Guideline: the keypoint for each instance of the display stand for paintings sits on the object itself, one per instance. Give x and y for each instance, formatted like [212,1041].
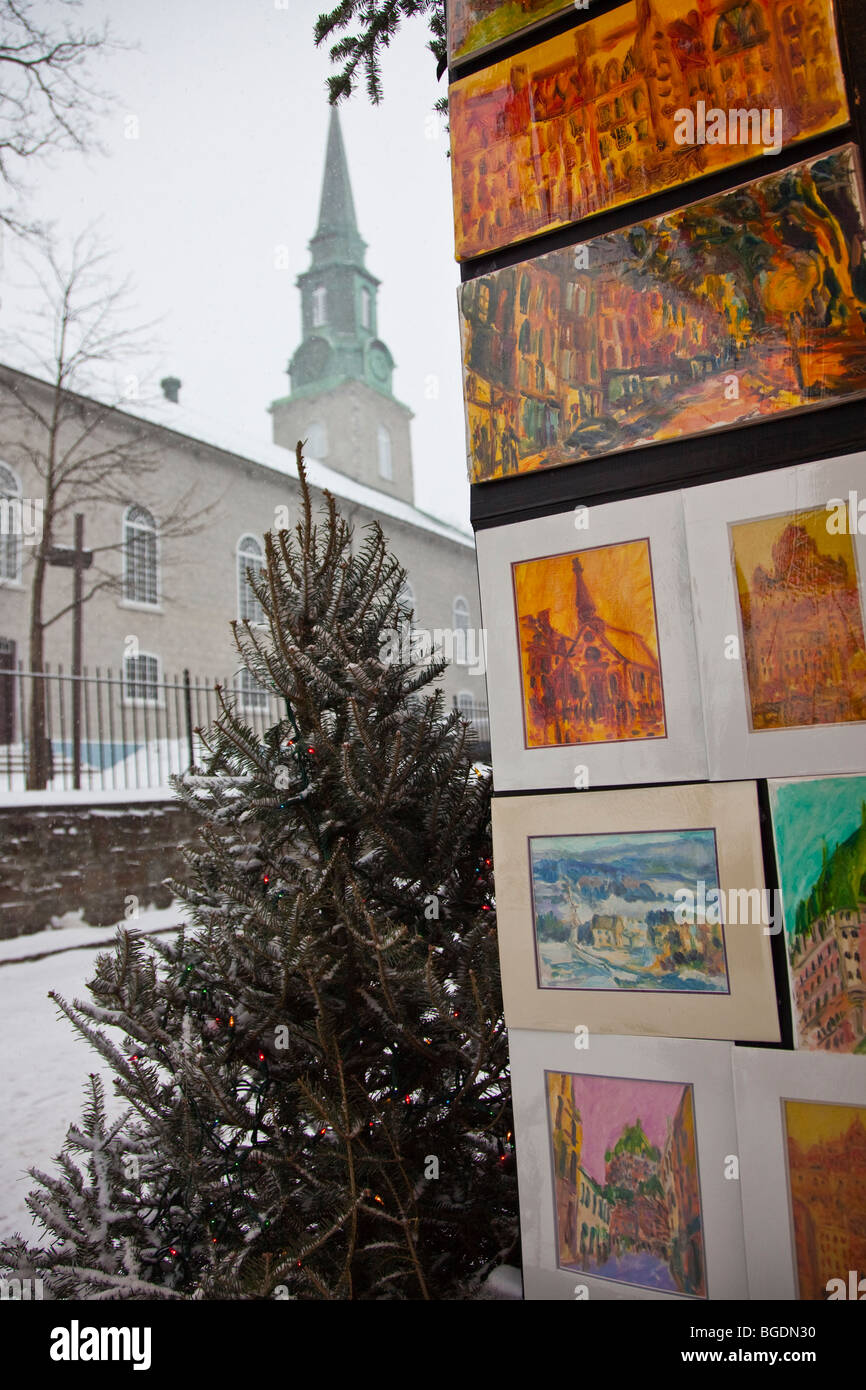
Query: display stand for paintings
[660,220]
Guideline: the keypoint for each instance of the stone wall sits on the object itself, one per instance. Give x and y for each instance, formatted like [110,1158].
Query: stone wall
[59,859]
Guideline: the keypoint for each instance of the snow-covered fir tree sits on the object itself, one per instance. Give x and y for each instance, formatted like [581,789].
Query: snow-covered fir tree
[315,1070]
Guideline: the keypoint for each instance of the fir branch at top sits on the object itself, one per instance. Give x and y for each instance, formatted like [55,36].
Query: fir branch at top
[316,1069]
[378,22]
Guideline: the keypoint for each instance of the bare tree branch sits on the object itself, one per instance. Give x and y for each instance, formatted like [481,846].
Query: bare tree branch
[84,451]
[48,100]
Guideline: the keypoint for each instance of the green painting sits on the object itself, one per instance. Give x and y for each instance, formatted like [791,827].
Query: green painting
[819,825]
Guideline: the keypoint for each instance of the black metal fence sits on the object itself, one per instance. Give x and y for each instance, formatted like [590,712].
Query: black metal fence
[109,731]
[112,731]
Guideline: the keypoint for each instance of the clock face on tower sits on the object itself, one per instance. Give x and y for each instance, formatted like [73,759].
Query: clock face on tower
[379,364]
[311,361]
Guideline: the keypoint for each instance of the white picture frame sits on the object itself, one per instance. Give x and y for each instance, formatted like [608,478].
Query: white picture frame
[747,1010]
[706,1067]
[763,1081]
[735,749]
[677,756]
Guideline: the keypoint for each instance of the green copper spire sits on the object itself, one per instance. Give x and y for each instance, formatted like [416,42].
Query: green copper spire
[339,312]
[337,237]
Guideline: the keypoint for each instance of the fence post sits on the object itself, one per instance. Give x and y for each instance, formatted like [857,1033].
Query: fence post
[187,704]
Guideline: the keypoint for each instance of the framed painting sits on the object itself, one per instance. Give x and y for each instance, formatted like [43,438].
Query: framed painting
[801,1118]
[819,829]
[641,99]
[477,26]
[621,1154]
[740,308]
[591,666]
[777,565]
[640,911]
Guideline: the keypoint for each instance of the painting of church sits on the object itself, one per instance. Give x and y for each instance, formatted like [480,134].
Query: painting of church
[589,647]
[802,621]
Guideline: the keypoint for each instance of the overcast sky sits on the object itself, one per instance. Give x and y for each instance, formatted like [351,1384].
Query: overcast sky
[231,111]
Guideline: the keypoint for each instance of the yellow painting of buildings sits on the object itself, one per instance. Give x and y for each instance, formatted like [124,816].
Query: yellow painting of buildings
[802,620]
[827,1175]
[593,119]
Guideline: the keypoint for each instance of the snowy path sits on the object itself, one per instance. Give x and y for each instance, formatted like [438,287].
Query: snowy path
[44,1064]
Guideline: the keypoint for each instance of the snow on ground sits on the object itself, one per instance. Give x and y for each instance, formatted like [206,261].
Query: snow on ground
[71,933]
[44,1063]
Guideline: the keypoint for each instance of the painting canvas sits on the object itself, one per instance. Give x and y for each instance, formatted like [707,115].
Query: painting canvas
[819,827]
[801,1122]
[474,26]
[826,1149]
[745,306]
[636,910]
[802,621]
[627,1193]
[590,651]
[607,916]
[777,564]
[623,1194]
[598,117]
[589,646]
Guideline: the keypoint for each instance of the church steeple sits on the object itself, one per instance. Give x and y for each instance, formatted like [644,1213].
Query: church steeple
[337,237]
[338,293]
[341,399]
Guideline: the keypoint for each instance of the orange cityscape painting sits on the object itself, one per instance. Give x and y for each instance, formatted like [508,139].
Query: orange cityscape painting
[827,1185]
[589,646]
[646,97]
[802,621]
[746,305]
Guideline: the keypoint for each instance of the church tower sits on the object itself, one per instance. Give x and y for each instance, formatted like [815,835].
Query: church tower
[341,400]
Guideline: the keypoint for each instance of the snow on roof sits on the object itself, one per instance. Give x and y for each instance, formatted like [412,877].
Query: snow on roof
[260,450]
[181,419]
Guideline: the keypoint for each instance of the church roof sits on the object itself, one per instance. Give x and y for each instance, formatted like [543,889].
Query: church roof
[630,646]
[193,426]
[182,420]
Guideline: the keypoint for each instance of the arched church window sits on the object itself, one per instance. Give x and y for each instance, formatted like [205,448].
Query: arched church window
[250,558]
[317,439]
[407,597]
[320,306]
[386,462]
[10,541]
[140,557]
[460,623]
[366,308]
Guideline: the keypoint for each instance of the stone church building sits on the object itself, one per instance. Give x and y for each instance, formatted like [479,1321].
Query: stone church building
[169,597]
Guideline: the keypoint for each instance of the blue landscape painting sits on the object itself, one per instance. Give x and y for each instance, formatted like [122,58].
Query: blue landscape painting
[606,915]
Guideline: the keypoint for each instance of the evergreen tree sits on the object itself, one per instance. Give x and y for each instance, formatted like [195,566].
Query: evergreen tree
[316,1068]
[376,22]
